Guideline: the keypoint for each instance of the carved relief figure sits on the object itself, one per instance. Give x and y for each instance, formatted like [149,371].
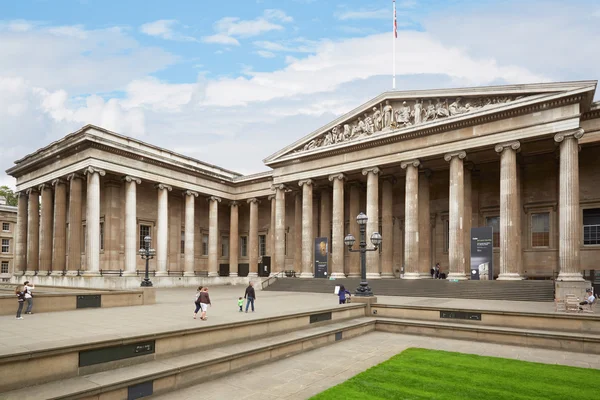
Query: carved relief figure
[328,139]
[430,113]
[347,133]
[377,119]
[417,112]
[403,115]
[441,109]
[388,115]
[457,107]
[369,126]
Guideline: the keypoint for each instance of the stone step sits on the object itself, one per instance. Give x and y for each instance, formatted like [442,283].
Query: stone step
[168,374]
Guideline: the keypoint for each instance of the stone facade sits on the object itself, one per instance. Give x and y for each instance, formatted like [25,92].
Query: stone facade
[519,158]
[8,229]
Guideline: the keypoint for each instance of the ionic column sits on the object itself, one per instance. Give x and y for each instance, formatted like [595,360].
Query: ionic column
[75,222]
[213,236]
[188,235]
[279,228]
[253,237]
[298,233]
[354,210]
[456,249]
[337,236]
[234,238]
[372,175]
[272,229]
[46,229]
[130,225]
[92,220]
[468,219]
[424,226]
[411,220]
[33,231]
[162,228]
[59,245]
[21,234]
[569,218]
[307,228]
[387,227]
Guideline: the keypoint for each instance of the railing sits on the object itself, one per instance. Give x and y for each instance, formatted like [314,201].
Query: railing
[264,284]
[109,272]
[143,272]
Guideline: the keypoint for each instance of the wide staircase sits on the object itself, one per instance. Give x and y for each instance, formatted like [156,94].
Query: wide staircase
[526,290]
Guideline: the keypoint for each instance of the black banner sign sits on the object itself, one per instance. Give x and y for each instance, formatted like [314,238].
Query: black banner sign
[321,251]
[482,253]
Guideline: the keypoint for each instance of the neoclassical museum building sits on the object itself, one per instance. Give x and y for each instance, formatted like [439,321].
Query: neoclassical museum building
[425,166]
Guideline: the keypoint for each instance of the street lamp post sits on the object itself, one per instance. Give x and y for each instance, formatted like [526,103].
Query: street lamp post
[363,290]
[147,254]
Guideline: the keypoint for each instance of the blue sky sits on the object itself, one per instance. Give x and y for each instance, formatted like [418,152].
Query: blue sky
[232,82]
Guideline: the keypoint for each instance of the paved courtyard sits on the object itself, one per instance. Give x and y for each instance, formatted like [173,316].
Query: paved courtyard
[174,309]
[306,374]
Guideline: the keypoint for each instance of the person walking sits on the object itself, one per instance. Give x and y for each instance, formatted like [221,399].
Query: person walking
[342,294]
[21,299]
[28,296]
[197,301]
[204,302]
[250,295]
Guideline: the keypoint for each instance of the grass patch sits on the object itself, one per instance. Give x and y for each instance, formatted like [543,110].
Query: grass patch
[431,374]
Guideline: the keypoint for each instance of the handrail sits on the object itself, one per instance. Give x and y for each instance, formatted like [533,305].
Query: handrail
[264,284]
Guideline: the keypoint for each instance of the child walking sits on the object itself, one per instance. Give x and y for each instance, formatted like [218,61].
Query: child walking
[241,303]
[21,299]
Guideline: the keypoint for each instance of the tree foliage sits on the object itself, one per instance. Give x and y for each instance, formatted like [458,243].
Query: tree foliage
[9,195]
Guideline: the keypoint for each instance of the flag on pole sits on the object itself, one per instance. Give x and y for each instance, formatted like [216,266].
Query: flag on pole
[395,28]
[395,22]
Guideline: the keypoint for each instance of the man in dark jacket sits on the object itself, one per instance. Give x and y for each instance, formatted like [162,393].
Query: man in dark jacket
[250,295]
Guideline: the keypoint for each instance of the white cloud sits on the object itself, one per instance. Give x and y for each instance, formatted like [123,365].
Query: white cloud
[18,25]
[298,45]
[265,54]
[228,28]
[381,13]
[164,28]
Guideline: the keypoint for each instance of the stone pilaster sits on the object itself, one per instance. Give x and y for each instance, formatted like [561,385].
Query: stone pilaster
[92,220]
[298,232]
[272,224]
[189,233]
[468,218]
[307,229]
[21,234]
[213,236]
[411,219]
[47,213]
[279,228]
[162,228]
[387,227]
[234,238]
[456,250]
[569,217]
[253,238]
[354,210]
[113,239]
[131,242]
[509,212]
[424,226]
[337,237]
[59,244]
[75,223]
[33,231]
[372,175]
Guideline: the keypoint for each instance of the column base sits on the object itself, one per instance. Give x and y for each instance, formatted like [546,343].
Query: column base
[72,273]
[338,275]
[511,276]
[457,276]
[161,273]
[90,273]
[351,275]
[129,273]
[234,274]
[29,273]
[213,274]
[411,275]
[56,273]
[307,275]
[42,273]
[570,277]
[373,275]
[253,275]
[576,288]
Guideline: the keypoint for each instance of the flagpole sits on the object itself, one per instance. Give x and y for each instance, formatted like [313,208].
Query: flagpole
[394,45]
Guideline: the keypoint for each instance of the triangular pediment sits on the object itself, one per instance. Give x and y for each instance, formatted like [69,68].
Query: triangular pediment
[397,113]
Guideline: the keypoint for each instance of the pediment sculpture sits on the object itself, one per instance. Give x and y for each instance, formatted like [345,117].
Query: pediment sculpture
[392,115]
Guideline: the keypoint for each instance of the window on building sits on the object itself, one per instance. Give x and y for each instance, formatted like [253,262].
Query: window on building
[243,246]
[5,245]
[4,267]
[144,231]
[262,245]
[6,227]
[540,230]
[225,246]
[204,244]
[494,223]
[182,242]
[101,236]
[591,226]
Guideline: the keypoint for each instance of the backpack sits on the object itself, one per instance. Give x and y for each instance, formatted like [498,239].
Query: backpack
[21,296]
[197,297]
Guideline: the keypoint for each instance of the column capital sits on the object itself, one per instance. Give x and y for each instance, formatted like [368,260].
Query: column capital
[94,170]
[190,193]
[163,186]
[571,134]
[214,198]
[58,181]
[44,186]
[253,200]
[373,170]
[31,190]
[129,178]
[339,176]
[279,186]
[234,203]
[514,145]
[460,154]
[415,163]
[305,182]
[74,175]
[22,193]
[271,197]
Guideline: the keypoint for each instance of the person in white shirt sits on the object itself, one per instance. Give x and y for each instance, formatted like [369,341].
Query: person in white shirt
[590,299]
[28,296]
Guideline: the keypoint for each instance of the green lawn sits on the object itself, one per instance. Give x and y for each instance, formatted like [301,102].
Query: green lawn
[429,374]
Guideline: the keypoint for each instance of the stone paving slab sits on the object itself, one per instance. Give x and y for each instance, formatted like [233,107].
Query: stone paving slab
[306,374]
